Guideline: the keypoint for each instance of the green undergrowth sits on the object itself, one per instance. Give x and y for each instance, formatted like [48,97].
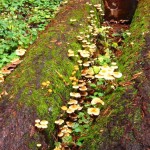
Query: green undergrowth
[109,127]
[20,22]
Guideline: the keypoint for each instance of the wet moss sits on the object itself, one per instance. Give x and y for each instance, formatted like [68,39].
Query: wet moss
[109,127]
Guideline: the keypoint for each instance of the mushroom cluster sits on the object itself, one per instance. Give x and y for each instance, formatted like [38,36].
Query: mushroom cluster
[93,69]
[41,124]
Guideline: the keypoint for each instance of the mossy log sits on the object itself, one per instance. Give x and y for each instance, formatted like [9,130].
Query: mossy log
[44,61]
[124,123]
[126,110]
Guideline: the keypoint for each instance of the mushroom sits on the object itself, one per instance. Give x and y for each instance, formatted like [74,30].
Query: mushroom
[84,93]
[44,126]
[5,71]
[59,122]
[108,77]
[16,61]
[38,125]
[86,64]
[83,88]
[97,100]
[84,41]
[64,108]
[75,86]
[91,11]
[114,63]
[73,107]
[82,84]
[72,101]
[85,54]
[114,67]
[60,134]
[117,74]
[69,124]
[38,145]
[89,76]
[44,122]
[73,20]
[103,72]
[20,52]
[93,111]
[99,76]
[76,95]
[70,111]
[1,79]
[80,61]
[37,121]
[84,72]
[73,116]
[71,53]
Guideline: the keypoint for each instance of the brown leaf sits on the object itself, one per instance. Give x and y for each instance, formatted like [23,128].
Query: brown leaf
[136,75]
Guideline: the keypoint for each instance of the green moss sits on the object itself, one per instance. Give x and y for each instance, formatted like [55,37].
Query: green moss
[116,103]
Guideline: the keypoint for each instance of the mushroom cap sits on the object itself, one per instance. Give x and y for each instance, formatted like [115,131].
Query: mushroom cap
[84,93]
[97,100]
[80,61]
[72,101]
[103,72]
[82,84]
[71,55]
[16,61]
[76,67]
[86,64]
[109,77]
[5,71]
[69,124]
[99,76]
[70,111]
[93,111]
[89,76]
[81,81]
[74,107]
[44,126]
[20,52]
[84,54]
[37,121]
[38,145]
[83,88]
[44,122]
[1,79]
[117,74]
[59,122]
[90,71]
[64,108]
[91,11]
[73,94]
[114,67]
[113,63]
[70,51]
[84,72]
[60,134]
[75,86]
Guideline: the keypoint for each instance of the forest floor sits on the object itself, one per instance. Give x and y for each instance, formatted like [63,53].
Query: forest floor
[17,129]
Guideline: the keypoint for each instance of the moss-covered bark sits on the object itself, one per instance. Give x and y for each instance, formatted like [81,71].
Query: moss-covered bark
[26,100]
[124,120]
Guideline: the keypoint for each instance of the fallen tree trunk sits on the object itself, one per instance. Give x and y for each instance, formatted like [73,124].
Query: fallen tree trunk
[45,60]
[125,123]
